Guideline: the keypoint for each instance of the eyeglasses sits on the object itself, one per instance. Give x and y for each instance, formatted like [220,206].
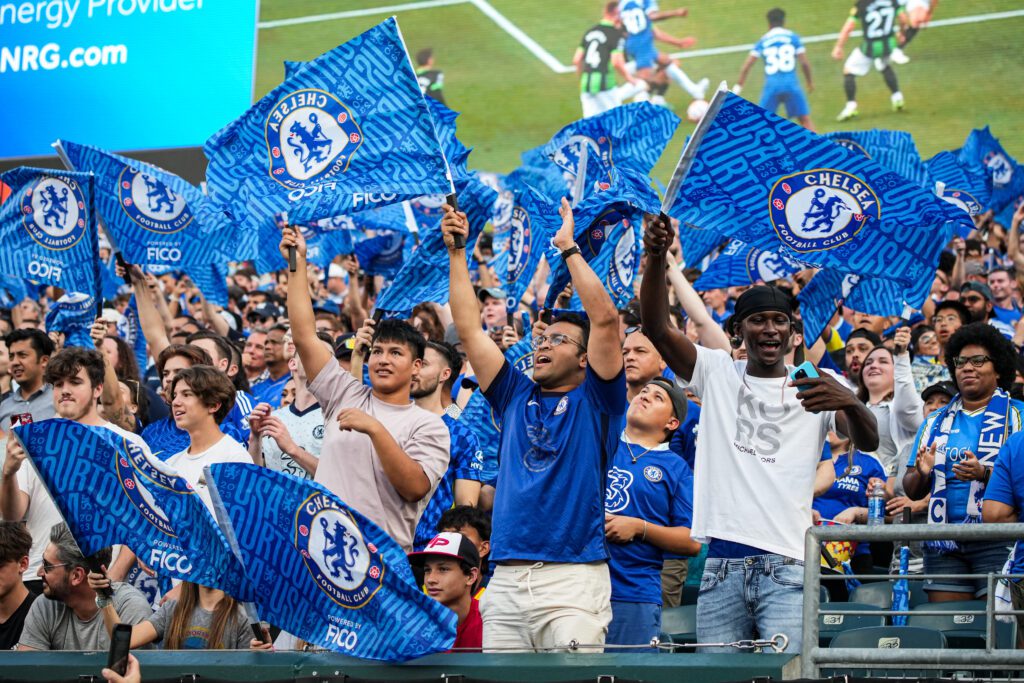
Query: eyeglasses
[975,361]
[554,340]
[47,568]
[947,319]
[926,339]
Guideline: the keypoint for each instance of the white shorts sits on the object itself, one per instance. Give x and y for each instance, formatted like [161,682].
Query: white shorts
[859,64]
[598,103]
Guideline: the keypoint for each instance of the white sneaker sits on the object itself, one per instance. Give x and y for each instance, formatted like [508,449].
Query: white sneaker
[700,89]
[848,112]
[897,101]
[898,56]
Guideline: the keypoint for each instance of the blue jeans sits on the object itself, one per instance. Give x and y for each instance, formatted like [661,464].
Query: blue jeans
[634,623]
[753,597]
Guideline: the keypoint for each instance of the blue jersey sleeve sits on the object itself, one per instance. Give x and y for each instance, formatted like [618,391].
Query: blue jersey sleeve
[1006,485]
[797,43]
[508,384]
[467,457]
[608,396]
[682,498]
[758,50]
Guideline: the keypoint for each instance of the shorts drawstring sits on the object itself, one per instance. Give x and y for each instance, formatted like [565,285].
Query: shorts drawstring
[528,576]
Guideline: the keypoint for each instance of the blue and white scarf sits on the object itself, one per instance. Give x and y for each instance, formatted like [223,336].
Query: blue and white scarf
[997,425]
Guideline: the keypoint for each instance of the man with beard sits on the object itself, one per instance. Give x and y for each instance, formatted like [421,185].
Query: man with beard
[460,485]
[69,618]
[977,297]
[551,584]
[76,375]
[858,346]
[761,439]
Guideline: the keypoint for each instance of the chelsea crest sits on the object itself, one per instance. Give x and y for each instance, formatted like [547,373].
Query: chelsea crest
[311,136]
[150,203]
[54,212]
[339,559]
[820,209]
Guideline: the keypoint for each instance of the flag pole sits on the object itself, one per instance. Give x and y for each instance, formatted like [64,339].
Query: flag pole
[63,155]
[691,147]
[224,522]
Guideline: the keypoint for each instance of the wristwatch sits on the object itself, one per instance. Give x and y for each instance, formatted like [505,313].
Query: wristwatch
[574,249]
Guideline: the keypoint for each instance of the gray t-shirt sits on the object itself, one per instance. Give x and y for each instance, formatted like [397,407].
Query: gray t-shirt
[237,633]
[51,625]
[39,405]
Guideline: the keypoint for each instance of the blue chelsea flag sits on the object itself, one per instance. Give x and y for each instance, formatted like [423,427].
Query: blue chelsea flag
[1005,177]
[73,315]
[110,492]
[48,228]
[346,132]
[153,216]
[534,222]
[739,265]
[758,178]
[424,277]
[891,149]
[963,184]
[322,571]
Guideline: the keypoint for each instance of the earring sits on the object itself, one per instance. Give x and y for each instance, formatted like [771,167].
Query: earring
[736,342]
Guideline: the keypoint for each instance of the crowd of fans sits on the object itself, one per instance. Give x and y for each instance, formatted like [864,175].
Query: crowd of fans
[643,443]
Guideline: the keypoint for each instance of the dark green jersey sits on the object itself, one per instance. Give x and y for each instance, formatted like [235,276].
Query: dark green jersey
[431,83]
[879,21]
[597,47]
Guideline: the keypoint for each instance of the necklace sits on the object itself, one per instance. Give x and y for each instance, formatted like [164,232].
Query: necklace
[636,457]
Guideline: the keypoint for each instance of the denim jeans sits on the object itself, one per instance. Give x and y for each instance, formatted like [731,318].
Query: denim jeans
[753,597]
[634,623]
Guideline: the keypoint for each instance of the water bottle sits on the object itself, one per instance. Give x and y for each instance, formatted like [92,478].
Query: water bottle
[876,505]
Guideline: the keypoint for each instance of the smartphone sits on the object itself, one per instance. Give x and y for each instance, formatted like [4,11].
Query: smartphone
[120,644]
[804,370]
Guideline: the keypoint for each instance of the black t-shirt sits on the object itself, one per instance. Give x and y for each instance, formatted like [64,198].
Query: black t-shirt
[598,46]
[10,630]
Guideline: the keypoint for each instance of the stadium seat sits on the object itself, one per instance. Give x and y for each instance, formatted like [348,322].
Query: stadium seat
[830,625]
[961,630]
[918,595]
[887,638]
[679,625]
[877,593]
[823,595]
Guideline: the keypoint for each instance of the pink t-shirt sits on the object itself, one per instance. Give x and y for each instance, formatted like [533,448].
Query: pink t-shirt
[349,466]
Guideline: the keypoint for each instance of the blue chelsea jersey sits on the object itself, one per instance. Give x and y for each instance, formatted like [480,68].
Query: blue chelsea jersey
[779,49]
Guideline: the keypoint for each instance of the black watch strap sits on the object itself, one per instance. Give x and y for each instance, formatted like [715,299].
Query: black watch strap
[574,249]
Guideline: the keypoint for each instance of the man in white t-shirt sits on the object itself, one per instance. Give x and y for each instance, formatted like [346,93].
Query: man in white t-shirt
[761,439]
[76,375]
[382,454]
[201,397]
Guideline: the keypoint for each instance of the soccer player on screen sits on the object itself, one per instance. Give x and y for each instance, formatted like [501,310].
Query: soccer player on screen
[880,21]
[638,18]
[781,50]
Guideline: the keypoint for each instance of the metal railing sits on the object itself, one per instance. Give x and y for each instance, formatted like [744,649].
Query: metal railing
[813,656]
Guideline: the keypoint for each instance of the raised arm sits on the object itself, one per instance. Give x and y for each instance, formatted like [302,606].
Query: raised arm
[485,356]
[844,35]
[710,333]
[150,321]
[1013,239]
[313,352]
[906,402]
[604,350]
[679,352]
[213,316]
